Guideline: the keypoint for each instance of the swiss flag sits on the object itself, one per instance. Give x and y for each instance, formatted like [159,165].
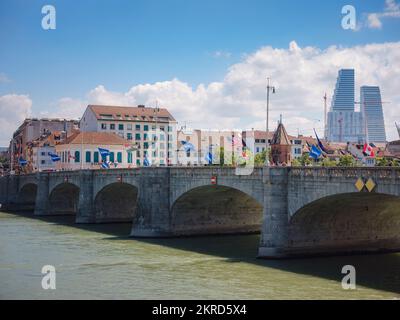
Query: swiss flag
[368,150]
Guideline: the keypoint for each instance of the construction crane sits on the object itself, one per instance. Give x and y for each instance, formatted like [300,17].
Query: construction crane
[325,117]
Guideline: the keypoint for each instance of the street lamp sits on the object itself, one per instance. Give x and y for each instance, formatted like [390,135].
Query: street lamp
[272,89]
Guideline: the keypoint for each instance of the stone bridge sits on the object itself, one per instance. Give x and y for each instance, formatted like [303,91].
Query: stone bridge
[299,211]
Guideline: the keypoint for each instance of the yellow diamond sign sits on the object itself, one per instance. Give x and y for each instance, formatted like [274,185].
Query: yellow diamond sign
[359,184]
[370,185]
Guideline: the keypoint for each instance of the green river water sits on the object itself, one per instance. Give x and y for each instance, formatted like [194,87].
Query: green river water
[102,262]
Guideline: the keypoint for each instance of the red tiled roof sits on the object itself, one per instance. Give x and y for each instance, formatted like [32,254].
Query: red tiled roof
[97,138]
[131,113]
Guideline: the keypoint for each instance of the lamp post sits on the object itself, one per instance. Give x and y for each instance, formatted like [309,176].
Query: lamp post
[272,89]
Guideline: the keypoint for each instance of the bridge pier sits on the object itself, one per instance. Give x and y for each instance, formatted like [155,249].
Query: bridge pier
[86,212]
[42,196]
[274,233]
[152,218]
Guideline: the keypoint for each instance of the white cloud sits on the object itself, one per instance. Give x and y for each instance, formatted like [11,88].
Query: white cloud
[13,110]
[222,54]
[4,78]
[301,77]
[391,10]
[66,108]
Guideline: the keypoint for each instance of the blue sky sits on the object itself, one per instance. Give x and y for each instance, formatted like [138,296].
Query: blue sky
[119,44]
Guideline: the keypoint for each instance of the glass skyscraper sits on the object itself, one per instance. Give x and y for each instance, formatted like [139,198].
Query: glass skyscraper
[343,123]
[371,108]
[343,96]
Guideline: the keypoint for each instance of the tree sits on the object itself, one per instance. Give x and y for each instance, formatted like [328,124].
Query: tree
[296,163]
[259,159]
[382,162]
[305,160]
[221,156]
[346,161]
[328,163]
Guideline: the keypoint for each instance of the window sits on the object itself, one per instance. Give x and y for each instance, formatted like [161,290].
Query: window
[162,128]
[162,137]
[137,127]
[257,140]
[43,153]
[161,145]
[161,154]
[138,162]
[145,153]
[145,136]
[112,126]
[129,126]
[112,156]
[169,129]
[77,156]
[129,136]
[146,145]
[154,154]
[104,126]
[153,128]
[138,153]
[96,157]
[169,145]
[43,161]
[170,137]
[88,157]
[137,137]
[258,149]
[129,157]
[121,126]
[119,157]
[145,127]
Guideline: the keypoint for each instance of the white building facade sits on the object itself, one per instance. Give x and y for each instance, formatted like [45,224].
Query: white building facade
[151,131]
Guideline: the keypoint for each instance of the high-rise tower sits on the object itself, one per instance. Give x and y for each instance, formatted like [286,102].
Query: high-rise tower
[343,123]
[371,108]
[343,96]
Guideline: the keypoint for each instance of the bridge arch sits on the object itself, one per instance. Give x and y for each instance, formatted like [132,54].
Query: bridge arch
[26,197]
[347,222]
[215,209]
[64,199]
[116,202]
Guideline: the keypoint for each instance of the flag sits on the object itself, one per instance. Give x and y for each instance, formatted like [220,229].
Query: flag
[105,165]
[368,151]
[188,146]
[235,140]
[315,153]
[54,157]
[22,162]
[104,152]
[321,146]
[308,146]
[146,162]
[209,157]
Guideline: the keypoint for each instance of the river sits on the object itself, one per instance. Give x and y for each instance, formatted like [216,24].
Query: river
[102,262]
